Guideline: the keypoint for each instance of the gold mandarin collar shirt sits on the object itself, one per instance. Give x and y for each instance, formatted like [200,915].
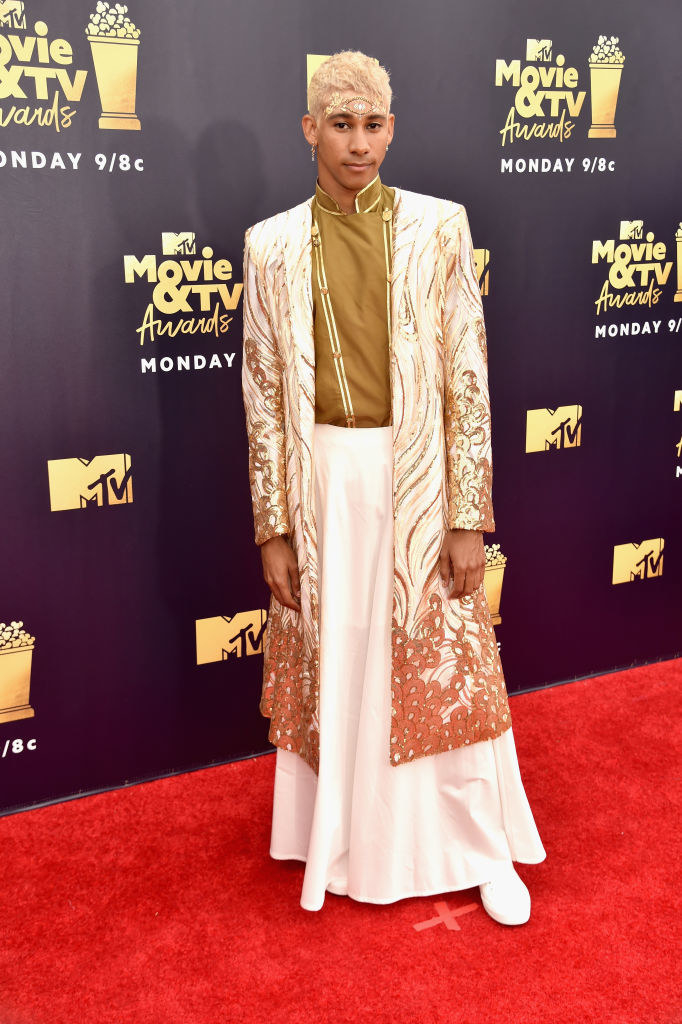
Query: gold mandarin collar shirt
[351,274]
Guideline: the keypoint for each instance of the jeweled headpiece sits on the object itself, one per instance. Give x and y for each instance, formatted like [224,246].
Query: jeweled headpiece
[354,105]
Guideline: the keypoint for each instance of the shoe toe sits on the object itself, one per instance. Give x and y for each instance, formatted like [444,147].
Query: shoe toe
[506,898]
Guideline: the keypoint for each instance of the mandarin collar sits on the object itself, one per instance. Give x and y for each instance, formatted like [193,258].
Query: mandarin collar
[366,199]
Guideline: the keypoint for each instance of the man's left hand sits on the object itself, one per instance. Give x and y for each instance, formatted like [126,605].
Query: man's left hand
[462,556]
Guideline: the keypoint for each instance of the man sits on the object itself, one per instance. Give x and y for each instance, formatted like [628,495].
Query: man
[366,398]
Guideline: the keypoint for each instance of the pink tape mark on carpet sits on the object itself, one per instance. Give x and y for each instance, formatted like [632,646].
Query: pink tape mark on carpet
[446,916]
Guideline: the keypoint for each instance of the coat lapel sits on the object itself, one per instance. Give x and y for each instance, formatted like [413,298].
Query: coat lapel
[297,259]
[297,253]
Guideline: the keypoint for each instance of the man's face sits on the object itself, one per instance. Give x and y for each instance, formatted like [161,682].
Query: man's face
[352,147]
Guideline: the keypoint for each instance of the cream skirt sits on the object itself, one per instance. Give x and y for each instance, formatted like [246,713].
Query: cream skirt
[365,828]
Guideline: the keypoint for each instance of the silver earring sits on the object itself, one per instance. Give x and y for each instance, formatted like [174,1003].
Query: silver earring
[312,151]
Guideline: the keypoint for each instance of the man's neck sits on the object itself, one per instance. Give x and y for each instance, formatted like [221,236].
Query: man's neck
[345,197]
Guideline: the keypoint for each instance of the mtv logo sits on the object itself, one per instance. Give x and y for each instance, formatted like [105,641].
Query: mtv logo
[12,14]
[677,401]
[181,243]
[85,483]
[220,636]
[551,429]
[538,49]
[630,229]
[638,561]
[482,262]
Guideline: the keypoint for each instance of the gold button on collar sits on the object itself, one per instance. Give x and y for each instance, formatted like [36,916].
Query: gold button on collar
[387,214]
[314,230]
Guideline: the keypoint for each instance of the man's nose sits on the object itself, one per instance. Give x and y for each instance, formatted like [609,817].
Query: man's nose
[359,142]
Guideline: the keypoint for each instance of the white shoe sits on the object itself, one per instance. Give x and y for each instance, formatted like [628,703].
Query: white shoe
[505,897]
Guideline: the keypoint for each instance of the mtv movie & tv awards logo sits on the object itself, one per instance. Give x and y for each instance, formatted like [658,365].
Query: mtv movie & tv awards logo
[638,270]
[41,84]
[188,295]
[638,267]
[549,96]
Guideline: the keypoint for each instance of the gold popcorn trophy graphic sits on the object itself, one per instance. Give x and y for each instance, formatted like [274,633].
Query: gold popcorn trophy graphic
[495,562]
[678,239]
[482,263]
[114,41]
[605,64]
[16,650]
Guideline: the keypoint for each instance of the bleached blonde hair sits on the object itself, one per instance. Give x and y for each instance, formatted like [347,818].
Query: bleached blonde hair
[348,69]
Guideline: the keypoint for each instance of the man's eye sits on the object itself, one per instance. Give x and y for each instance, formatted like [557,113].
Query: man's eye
[372,124]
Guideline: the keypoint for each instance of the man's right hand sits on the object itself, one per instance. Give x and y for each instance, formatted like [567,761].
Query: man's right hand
[280,570]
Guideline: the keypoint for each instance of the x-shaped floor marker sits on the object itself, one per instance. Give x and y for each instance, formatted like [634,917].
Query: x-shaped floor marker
[446,916]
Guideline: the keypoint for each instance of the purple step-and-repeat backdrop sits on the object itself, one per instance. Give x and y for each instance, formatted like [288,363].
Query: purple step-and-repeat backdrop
[137,143]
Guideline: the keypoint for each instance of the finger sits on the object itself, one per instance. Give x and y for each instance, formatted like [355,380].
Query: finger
[444,564]
[280,588]
[288,597]
[476,579]
[469,583]
[295,582]
[458,578]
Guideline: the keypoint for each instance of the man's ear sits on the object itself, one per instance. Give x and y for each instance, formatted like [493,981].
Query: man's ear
[309,128]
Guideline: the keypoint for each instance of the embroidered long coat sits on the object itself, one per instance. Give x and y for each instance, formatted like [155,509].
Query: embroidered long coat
[447,686]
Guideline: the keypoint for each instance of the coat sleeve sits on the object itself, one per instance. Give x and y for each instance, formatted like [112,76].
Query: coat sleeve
[263,405]
[465,384]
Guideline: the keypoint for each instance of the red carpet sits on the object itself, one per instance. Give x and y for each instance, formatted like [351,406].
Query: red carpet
[159,904]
